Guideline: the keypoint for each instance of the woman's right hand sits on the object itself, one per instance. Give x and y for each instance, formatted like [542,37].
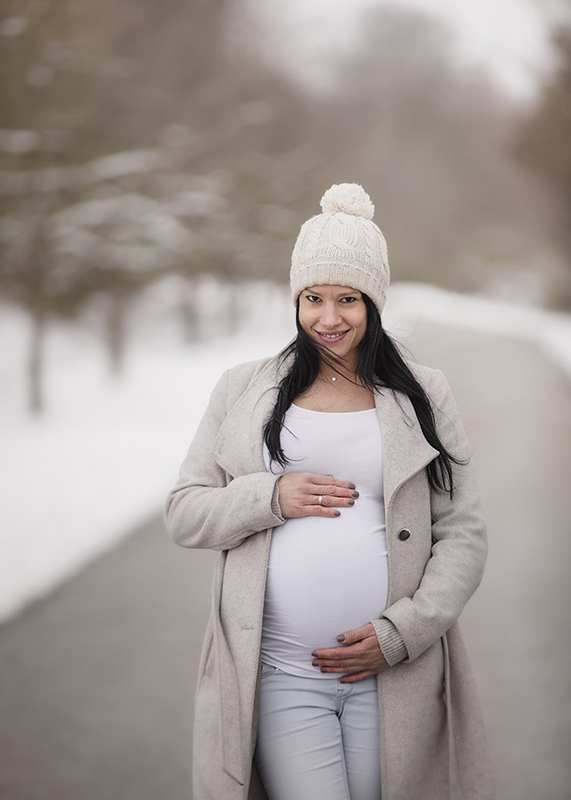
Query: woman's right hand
[299,494]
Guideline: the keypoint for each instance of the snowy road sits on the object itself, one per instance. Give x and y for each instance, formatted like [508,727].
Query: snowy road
[97,680]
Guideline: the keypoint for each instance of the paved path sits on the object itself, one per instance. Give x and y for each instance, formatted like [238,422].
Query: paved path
[97,680]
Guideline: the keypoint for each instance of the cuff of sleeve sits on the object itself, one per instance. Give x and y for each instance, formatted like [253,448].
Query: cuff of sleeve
[253,495]
[390,641]
[276,502]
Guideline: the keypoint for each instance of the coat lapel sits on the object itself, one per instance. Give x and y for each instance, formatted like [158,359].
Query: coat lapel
[239,444]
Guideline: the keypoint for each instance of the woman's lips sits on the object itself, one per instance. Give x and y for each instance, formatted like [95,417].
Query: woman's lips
[332,340]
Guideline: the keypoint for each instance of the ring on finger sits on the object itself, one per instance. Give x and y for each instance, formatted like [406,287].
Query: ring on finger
[320,500]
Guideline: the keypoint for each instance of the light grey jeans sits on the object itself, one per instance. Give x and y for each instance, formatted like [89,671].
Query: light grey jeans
[318,738]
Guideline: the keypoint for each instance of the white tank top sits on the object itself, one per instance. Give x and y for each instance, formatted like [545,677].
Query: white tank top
[326,575]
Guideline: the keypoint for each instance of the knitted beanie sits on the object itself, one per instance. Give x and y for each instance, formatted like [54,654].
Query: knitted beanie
[342,246]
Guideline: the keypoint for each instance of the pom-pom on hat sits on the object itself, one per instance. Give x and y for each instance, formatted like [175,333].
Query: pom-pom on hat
[342,246]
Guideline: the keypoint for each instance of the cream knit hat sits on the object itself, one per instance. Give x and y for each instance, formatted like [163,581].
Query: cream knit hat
[342,246]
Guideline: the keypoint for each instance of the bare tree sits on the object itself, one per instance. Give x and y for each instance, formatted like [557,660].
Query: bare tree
[543,144]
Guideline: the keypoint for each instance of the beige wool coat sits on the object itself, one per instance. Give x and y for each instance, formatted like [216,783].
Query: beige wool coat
[432,738]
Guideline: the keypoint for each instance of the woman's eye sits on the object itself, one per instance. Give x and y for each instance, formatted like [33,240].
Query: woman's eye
[351,299]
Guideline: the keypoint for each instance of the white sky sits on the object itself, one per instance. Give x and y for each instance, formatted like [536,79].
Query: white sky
[510,37]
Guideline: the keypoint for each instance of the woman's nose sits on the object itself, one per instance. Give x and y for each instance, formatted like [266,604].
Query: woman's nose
[330,317]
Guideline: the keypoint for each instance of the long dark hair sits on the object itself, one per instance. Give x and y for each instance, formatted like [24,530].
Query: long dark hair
[379,365]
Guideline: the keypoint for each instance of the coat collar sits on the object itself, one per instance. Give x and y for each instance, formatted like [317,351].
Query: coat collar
[239,444]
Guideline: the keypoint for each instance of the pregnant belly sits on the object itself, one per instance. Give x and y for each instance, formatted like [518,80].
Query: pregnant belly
[321,581]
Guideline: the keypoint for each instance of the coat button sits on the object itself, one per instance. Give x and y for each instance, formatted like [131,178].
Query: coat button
[404,534]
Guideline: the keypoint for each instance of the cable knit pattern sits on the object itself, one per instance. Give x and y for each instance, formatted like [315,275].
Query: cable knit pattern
[276,508]
[342,246]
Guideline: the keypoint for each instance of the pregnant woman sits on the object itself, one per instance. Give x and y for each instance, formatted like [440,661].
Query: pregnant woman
[335,479]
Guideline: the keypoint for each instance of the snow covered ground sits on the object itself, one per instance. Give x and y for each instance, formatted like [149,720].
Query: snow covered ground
[103,456]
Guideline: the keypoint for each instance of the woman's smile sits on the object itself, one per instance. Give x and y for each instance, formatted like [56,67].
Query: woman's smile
[332,338]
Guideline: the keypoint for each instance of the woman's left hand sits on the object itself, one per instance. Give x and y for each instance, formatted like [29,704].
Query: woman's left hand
[360,655]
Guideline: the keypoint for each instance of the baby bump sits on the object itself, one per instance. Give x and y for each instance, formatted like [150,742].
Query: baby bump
[320,582]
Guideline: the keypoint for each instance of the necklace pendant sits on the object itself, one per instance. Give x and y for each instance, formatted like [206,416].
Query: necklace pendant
[333,379]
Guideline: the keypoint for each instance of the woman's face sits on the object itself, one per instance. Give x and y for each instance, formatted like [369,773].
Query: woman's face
[328,309]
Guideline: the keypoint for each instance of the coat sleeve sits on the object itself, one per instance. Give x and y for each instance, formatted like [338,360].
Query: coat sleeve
[459,550]
[203,510]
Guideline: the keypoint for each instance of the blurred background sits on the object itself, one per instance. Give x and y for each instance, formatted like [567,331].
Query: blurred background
[156,163]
